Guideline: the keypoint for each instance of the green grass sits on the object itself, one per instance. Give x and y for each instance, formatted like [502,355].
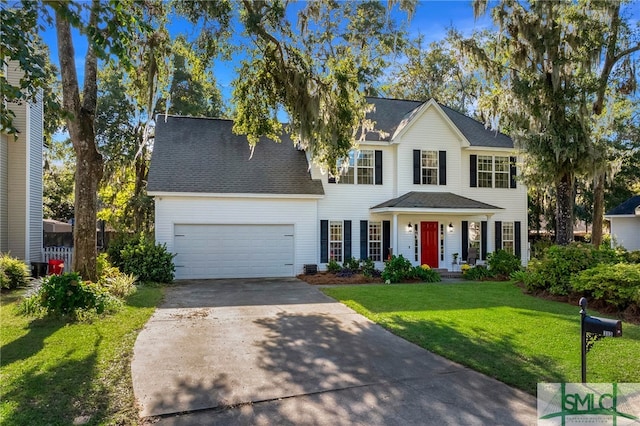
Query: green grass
[494,328]
[54,372]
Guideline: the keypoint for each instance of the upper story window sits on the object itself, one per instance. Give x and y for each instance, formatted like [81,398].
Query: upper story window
[488,171]
[365,168]
[429,167]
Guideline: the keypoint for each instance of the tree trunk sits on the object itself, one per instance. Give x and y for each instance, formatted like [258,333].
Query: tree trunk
[89,163]
[564,209]
[598,209]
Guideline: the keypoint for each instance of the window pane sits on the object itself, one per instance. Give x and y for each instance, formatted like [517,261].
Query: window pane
[502,164]
[485,163]
[502,180]
[507,237]
[485,179]
[429,167]
[346,176]
[335,241]
[365,167]
[365,176]
[474,235]
[375,241]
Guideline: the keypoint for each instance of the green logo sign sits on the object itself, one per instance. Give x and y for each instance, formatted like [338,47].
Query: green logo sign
[616,404]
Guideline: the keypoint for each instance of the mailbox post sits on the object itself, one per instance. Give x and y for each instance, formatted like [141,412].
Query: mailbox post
[595,325]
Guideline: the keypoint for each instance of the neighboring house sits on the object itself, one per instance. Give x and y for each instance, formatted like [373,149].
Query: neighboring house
[432,184]
[21,179]
[625,224]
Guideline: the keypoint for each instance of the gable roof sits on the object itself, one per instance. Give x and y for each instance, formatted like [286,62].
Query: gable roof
[434,200]
[390,114]
[204,156]
[626,208]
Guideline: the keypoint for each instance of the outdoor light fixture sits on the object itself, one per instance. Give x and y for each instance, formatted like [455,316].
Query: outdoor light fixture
[450,226]
[409,227]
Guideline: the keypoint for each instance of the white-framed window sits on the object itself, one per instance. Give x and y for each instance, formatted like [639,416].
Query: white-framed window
[485,171]
[335,240]
[361,168]
[501,172]
[493,172]
[375,241]
[474,235]
[429,167]
[508,237]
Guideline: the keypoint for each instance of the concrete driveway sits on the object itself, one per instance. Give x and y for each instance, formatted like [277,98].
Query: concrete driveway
[278,351]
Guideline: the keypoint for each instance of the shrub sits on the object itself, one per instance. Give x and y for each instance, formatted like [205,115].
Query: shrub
[502,263]
[352,263]
[560,263]
[397,269]
[333,267]
[346,273]
[632,256]
[116,245]
[148,261]
[66,294]
[616,284]
[14,273]
[115,282]
[426,275]
[368,267]
[477,273]
[519,276]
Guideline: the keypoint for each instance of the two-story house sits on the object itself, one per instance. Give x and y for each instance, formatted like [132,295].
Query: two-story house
[430,182]
[21,178]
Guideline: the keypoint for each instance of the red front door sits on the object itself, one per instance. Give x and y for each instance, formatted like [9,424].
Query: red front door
[429,243]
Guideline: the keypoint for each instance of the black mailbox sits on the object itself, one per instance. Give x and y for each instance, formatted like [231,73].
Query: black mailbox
[603,326]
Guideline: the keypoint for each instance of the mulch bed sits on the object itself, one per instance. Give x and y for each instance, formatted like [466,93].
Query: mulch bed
[327,278]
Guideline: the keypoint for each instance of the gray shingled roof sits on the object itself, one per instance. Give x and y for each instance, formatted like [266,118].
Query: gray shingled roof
[626,208]
[204,155]
[434,200]
[389,113]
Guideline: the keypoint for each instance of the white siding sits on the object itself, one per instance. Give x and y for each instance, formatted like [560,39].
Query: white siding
[172,210]
[4,188]
[625,232]
[34,175]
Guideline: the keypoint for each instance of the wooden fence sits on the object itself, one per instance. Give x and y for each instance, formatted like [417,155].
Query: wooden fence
[62,253]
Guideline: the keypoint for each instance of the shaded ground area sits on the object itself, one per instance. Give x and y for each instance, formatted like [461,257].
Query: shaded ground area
[281,352]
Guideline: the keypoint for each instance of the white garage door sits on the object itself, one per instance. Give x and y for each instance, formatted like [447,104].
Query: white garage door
[233,251]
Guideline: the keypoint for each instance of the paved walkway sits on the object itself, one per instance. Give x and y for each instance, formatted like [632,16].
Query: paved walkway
[278,351]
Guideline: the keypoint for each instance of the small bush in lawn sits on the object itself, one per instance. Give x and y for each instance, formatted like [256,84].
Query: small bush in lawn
[426,275]
[14,273]
[67,294]
[333,267]
[616,284]
[148,261]
[502,263]
[477,273]
[397,269]
[346,273]
[118,284]
[519,276]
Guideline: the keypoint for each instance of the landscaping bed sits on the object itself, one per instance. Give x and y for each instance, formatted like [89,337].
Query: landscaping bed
[328,278]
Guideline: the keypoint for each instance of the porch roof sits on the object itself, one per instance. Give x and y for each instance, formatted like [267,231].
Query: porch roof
[434,202]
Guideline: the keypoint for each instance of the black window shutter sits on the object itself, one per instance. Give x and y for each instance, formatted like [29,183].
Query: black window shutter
[473,170]
[512,172]
[416,166]
[483,240]
[465,239]
[517,242]
[498,236]
[324,241]
[364,239]
[378,168]
[442,163]
[347,240]
[386,238]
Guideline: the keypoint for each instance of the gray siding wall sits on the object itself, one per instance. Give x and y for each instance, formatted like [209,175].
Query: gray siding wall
[34,174]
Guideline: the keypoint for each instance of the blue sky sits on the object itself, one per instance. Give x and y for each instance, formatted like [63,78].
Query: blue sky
[432,19]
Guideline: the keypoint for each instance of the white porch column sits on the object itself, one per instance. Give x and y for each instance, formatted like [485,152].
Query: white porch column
[394,233]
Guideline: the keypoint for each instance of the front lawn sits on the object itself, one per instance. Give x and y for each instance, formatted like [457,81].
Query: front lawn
[59,373]
[494,328]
